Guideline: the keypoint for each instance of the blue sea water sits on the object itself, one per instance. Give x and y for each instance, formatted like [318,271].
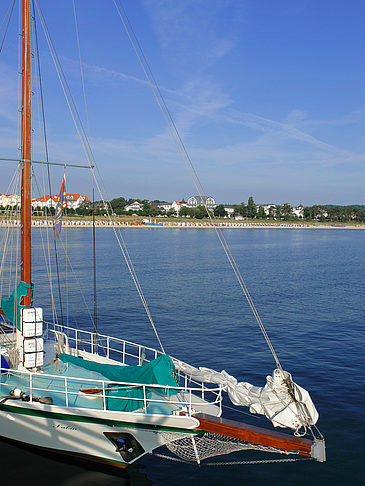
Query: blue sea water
[308,286]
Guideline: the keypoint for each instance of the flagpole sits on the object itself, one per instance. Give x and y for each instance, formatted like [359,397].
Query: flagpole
[57,225]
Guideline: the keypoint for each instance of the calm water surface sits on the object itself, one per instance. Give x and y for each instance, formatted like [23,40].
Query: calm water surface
[308,286]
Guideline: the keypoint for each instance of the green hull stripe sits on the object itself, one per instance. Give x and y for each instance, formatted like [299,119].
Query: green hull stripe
[92,420]
[92,458]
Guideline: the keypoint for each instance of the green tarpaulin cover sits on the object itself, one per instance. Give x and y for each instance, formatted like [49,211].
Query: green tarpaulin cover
[11,307]
[160,371]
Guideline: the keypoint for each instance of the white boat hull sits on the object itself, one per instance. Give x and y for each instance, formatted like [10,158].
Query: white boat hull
[85,433]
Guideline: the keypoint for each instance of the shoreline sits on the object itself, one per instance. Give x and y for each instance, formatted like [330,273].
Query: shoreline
[75,224]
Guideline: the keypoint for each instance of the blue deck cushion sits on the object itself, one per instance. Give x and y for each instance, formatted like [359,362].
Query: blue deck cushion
[4,364]
[160,371]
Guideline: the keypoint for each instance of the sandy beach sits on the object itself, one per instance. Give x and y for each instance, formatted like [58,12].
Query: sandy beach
[80,223]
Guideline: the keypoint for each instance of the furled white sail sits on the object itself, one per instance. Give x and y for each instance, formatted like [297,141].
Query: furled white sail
[281,400]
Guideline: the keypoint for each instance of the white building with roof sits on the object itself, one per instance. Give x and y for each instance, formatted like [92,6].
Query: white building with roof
[177,205]
[229,210]
[207,201]
[164,206]
[73,201]
[299,211]
[134,206]
[10,200]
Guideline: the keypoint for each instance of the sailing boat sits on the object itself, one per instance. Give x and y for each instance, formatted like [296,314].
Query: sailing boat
[112,401]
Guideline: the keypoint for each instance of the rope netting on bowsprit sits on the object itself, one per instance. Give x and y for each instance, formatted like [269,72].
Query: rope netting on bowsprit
[196,448]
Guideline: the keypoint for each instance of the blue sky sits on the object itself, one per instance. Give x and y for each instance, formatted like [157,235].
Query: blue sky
[268,96]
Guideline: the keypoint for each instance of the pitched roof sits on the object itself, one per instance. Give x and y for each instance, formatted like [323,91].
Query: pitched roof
[69,197]
[75,197]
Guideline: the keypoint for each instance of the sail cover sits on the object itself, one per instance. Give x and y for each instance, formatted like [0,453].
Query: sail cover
[11,307]
[281,400]
[122,396]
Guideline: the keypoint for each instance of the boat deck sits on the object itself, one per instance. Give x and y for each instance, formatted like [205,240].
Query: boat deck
[71,386]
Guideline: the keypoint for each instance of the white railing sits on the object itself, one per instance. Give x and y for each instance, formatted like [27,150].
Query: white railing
[125,352]
[122,351]
[67,391]
[101,345]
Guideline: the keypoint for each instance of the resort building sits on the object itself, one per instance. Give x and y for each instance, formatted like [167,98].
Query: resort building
[134,206]
[73,201]
[195,201]
[229,210]
[163,206]
[9,200]
[177,205]
[299,211]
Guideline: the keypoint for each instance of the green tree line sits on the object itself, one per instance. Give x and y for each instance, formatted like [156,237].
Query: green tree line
[249,210]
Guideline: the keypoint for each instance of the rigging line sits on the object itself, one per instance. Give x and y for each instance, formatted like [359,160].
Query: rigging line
[16,230]
[46,151]
[133,274]
[77,281]
[7,26]
[20,80]
[11,188]
[7,13]
[94,264]
[41,118]
[165,113]
[47,257]
[58,280]
[67,287]
[191,170]
[89,154]
[69,263]
[123,248]
[17,173]
[81,69]
[45,246]
[66,89]
[11,260]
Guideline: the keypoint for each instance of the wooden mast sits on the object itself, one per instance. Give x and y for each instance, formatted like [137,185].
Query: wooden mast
[26,138]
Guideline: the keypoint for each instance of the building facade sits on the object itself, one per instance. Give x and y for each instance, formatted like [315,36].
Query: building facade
[134,206]
[9,200]
[207,201]
[73,201]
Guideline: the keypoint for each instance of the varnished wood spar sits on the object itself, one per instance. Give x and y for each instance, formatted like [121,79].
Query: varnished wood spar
[26,137]
[254,435]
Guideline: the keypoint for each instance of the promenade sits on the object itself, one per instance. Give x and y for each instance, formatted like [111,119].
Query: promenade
[79,223]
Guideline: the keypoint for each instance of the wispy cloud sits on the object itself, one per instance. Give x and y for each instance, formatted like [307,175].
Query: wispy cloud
[270,141]
[283,130]
[199,33]
[101,74]
[300,118]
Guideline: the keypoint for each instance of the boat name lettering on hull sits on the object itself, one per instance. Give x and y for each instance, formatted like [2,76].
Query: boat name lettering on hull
[64,427]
